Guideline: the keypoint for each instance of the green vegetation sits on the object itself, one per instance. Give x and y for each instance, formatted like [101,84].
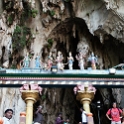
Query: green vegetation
[43,97]
[13,66]
[10,20]
[52,12]
[20,39]
[50,42]
[34,13]
[27,13]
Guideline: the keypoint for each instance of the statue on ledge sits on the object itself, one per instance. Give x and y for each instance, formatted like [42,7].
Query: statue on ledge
[26,61]
[70,61]
[93,60]
[80,58]
[50,61]
[59,60]
[37,61]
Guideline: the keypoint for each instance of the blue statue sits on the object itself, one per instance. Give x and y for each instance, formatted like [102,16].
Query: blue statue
[93,59]
[26,61]
[70,61]
[37,61]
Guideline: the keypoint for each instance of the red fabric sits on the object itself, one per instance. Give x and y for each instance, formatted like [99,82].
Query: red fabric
[114,114]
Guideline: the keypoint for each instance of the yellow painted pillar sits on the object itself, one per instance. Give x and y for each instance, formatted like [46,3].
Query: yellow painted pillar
[86,104]
[30,97]
[29,111]
[85,97]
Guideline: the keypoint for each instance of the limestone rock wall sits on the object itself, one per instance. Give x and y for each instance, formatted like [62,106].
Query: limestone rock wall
[57,20]
[11,98]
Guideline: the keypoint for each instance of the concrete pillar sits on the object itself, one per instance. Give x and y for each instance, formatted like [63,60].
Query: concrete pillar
[30,97]
[85,96]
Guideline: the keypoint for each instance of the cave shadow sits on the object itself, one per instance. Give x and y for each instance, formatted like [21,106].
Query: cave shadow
[103,109]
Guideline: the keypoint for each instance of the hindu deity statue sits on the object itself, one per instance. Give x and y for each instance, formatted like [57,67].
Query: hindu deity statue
[70,61]
[93,60]
[80,58]
[50,61]
[59,60]
[37,61]
[26,61]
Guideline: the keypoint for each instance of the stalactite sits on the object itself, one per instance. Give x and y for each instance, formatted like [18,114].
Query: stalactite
[67,42]
[74,30]
[60,37]
[101,38]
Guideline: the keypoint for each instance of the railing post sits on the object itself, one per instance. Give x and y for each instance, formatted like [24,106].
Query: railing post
[22,118]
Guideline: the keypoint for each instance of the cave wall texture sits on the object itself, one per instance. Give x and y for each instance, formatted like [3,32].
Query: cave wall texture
[42,26]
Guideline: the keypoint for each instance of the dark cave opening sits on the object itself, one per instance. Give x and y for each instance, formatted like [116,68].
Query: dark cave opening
[77,117]
[94,110]
[109,52]
[66,29]
[3,51]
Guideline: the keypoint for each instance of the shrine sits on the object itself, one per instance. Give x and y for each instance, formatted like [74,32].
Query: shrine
[61,60]
[61,79]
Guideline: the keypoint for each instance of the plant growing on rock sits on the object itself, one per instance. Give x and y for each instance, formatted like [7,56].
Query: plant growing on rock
[21,38]
[27,13]
[34,13]
[50,42]
[10,19]
[52,13]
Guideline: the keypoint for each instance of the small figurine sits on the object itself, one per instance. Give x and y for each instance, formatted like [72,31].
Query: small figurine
[93,61]
[80,58]
[59,59]
[70,61]
[37,61]
[26,61]
[50,61]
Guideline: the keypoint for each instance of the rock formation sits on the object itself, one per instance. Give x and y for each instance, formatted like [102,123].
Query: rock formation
[44,26]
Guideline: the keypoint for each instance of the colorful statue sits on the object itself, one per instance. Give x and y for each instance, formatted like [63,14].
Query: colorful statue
[37,61]
[59,60]
[26,61]
[93,61]
[50,61]
[80,58]
[70,61]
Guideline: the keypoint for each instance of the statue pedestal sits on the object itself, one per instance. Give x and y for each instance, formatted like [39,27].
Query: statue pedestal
[30,97]
[85,98]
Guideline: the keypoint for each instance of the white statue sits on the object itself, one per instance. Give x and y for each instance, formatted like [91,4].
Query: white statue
[80,58]
[70,61]
[59,60]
